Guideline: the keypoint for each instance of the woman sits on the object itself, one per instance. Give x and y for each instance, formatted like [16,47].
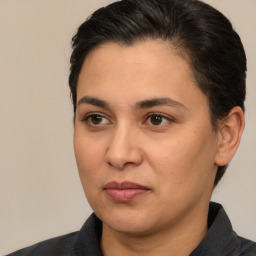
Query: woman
[158,89]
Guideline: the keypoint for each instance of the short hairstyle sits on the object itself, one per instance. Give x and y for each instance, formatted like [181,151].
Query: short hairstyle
[200,33]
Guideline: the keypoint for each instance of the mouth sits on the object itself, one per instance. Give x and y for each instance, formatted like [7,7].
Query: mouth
[124,191]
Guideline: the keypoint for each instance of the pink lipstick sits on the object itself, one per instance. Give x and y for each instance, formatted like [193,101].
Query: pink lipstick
[125,191]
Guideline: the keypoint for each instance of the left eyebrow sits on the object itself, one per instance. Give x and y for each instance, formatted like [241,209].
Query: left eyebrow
[149,103]
[93,101]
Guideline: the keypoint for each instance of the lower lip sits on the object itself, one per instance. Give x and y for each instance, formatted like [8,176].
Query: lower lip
[123,195]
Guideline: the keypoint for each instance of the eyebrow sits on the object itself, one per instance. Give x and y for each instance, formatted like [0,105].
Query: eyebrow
[93,101]
[149,103]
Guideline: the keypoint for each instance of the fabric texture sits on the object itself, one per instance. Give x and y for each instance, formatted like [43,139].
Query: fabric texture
[220,240]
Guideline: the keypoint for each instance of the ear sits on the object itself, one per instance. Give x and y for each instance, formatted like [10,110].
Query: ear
[230,132]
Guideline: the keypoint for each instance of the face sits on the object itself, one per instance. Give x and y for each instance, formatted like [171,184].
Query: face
[143,139]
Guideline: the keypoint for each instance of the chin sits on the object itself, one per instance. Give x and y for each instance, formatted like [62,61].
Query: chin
[128,221]
[128,227]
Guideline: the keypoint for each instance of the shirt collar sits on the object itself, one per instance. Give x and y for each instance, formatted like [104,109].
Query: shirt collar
[219,240]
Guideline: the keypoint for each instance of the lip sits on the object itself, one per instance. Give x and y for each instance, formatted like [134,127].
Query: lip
[124,191]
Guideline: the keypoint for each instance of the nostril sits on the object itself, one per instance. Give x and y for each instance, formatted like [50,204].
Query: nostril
[118,163]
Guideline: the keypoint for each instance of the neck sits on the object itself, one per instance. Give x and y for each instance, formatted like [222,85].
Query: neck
[180,240]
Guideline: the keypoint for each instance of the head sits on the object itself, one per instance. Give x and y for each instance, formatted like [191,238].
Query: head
[194,30]
[158,92]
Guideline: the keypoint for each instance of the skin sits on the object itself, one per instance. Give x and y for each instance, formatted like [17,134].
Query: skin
[169,147]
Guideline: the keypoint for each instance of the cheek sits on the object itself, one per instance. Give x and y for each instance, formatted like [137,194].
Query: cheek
[89,156]
[171,158]
[184,161]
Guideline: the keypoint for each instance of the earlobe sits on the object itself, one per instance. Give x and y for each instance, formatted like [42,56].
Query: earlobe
[230,133]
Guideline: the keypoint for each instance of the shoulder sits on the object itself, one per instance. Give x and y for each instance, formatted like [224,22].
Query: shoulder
[221,239]
[84,242]
[247,247]
[62,245]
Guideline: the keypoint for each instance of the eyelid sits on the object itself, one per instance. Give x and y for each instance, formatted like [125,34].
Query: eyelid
[160,114]
[92,113]
[86,117]
[164,116]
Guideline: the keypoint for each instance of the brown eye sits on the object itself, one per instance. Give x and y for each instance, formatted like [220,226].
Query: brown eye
[156,120]
[96,119]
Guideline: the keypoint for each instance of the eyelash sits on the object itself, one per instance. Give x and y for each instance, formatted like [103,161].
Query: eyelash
[163,117]
[88,119]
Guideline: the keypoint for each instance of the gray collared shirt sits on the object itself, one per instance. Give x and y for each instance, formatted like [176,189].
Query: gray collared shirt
[220,240]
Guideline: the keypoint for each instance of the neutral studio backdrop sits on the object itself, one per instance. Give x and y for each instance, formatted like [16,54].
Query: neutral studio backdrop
[40,192]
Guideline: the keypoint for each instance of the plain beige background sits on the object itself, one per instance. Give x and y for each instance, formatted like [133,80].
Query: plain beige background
[40,191]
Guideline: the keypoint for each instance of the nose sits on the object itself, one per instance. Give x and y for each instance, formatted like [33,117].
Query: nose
[124,148]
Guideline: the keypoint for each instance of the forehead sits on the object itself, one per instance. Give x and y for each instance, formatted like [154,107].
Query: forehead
[141,51]
[144,70]
[143,56]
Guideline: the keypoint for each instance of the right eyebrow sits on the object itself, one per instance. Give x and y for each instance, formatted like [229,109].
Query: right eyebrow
[149,103]
[93,101]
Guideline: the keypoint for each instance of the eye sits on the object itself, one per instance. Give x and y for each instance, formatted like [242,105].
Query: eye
[96,120]
[156,119]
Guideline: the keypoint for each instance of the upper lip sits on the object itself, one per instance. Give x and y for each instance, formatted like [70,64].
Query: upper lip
[124,185]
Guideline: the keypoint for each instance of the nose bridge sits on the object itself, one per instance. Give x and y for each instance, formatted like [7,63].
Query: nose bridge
[123,146]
